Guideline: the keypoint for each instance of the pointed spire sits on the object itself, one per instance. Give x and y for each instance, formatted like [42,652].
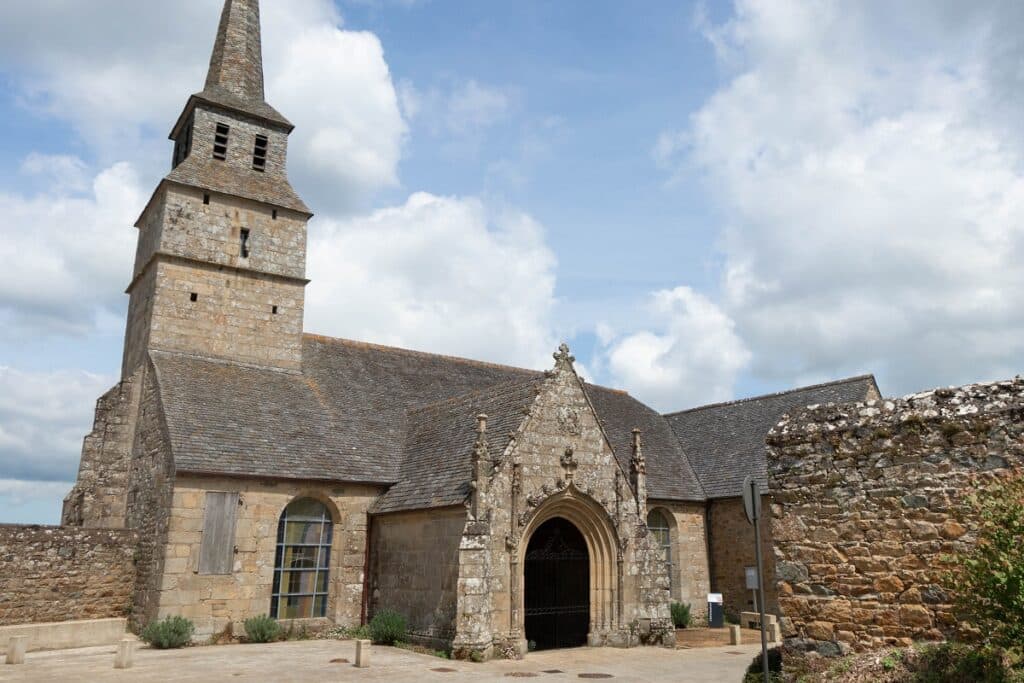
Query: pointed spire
[236,65]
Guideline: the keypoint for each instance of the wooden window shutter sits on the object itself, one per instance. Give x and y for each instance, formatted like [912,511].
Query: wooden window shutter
[217,552]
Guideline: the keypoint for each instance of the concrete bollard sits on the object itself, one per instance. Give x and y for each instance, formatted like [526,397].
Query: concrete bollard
[362,653]
[774,632]
[125,654]
[16,647]
[734,634]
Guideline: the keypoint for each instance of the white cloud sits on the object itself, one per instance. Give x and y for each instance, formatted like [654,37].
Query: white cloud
[67,258]
[444,274]
[43,417]
[872,190]
[350,138]
[77,62]
[694,356]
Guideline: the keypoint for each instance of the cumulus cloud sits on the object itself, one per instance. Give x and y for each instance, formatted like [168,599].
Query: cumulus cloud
[43,417]
[692,356]
[67,258]
[871,189]
[119,74]
[445,274]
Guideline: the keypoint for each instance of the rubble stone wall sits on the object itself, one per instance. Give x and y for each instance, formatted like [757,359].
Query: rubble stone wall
[50,573]
[865,507]
[98,498]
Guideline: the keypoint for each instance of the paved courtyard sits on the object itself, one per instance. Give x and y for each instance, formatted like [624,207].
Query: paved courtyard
[320,660]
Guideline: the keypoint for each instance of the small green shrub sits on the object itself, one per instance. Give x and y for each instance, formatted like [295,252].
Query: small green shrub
[680,614]
[956,662]
[172,632]
[987,576]
[262,629]
[387,627]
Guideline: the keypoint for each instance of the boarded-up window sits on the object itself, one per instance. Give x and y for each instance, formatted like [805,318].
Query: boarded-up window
[217,552]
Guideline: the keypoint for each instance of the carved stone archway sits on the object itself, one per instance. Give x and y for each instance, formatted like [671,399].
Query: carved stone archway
[593,522]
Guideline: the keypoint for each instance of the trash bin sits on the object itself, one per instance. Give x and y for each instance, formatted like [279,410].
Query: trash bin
[716,616]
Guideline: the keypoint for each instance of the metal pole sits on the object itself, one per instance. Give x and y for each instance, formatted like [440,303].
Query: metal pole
[760,584]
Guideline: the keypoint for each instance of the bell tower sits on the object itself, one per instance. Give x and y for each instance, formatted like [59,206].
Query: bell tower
[220,267]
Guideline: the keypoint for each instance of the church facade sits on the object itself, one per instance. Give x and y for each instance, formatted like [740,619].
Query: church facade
[270,471]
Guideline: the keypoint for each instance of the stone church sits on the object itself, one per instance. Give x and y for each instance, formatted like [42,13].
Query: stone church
[270,471]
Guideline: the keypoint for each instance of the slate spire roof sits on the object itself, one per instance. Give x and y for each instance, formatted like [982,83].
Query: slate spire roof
[236,65]
[235,78]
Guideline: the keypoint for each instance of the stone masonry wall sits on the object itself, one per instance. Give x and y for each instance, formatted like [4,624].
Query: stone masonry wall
[215,602]
[865,501]
[689,555]
[559,460]
[99,495]
[150,481]
[64,573]
[187,246]
[415,570]
[732,551]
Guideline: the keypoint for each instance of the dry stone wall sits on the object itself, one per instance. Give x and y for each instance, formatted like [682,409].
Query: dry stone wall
[865,503]
[64,573]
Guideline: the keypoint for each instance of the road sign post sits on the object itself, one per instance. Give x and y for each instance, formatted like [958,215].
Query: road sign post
[752,507]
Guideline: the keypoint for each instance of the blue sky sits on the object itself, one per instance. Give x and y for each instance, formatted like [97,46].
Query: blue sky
[707,200]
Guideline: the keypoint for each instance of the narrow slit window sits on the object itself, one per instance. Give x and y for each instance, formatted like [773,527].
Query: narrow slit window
[243,243]
[274,310]
[193,297]
[259,153]
[273,214]
[206,198]
[220,142]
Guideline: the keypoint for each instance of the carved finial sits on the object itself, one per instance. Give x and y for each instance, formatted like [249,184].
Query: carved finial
[639,462]
[564,359]
[569,463]
[481,423]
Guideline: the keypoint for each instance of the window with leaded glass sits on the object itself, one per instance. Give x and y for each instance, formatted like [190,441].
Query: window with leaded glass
[303,557]
[662,534]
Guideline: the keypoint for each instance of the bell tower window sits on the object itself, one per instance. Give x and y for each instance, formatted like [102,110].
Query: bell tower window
[259,153]
[183,145]
[243,243]
[220,142]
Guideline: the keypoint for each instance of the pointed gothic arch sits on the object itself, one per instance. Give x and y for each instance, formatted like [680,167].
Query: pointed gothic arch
[605,572]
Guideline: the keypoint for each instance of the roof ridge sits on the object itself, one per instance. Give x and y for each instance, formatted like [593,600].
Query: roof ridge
[224,361]
[489,389]
[412,352]
[785,392]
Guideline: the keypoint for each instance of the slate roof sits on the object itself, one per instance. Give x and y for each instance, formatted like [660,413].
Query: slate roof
[437,463]
[726,441]
[210,174]
[669,472]
[366,413]
[343,419]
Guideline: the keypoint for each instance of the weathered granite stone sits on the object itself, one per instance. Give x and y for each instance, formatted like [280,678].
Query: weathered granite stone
[875,487]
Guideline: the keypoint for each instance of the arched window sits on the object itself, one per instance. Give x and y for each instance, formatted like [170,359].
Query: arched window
[661,532]
[303,556]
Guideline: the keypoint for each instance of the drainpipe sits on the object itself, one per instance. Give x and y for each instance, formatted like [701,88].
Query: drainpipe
[712,584]
[366,572]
